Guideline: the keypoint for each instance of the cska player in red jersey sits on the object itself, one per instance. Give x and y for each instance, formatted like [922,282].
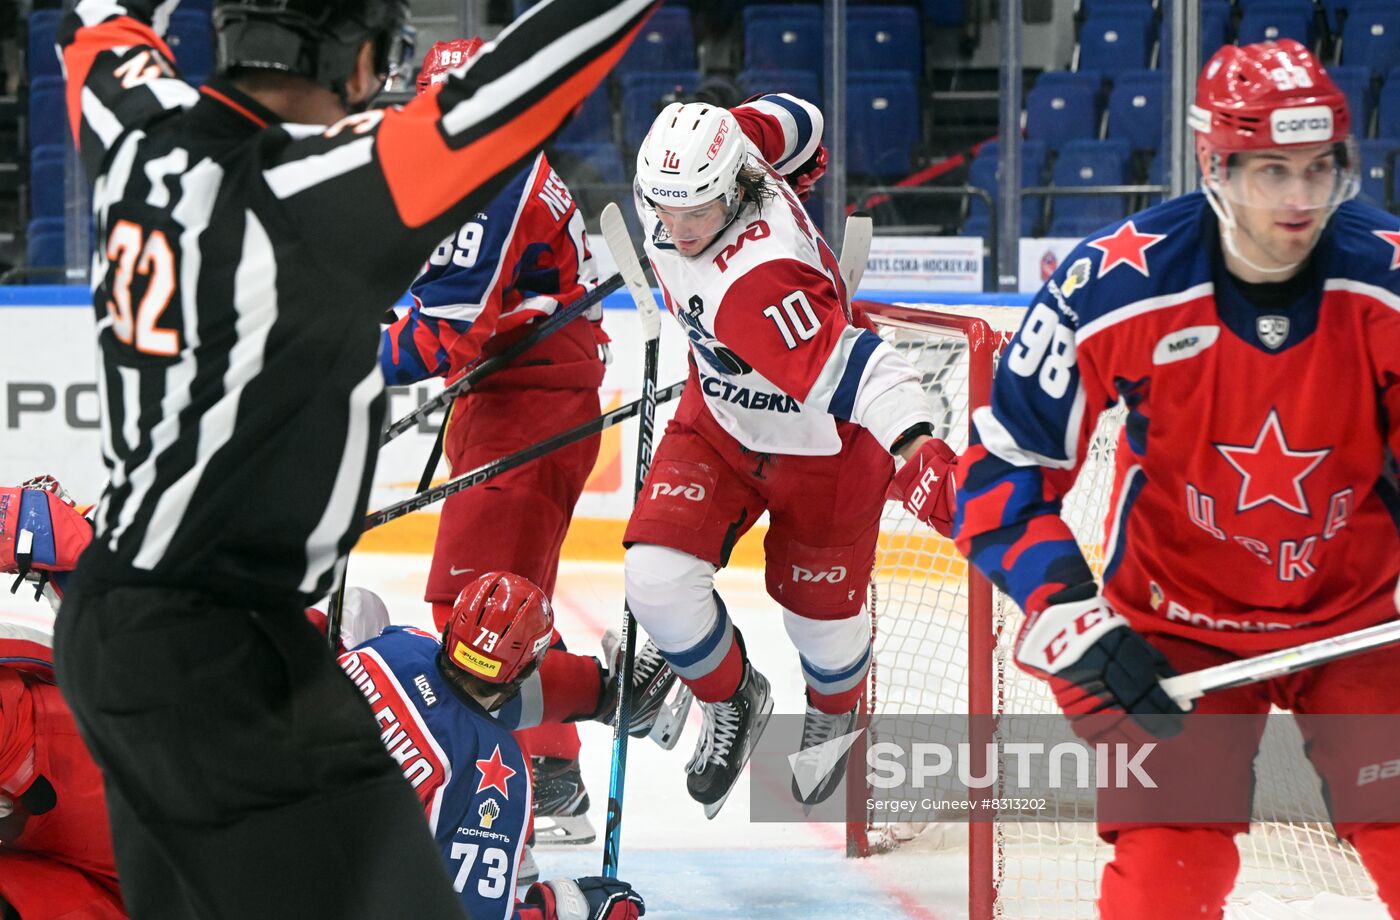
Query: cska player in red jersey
[1252,330]
[524,256]
[793,406]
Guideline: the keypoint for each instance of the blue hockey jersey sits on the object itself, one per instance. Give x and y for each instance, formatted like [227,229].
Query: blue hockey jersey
[465,766]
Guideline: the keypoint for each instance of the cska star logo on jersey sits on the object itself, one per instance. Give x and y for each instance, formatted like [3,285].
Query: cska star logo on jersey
[494,773]
[1393,238]
[1272,471]
[1125,246]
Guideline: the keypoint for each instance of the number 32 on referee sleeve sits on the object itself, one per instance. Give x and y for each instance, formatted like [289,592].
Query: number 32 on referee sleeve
[1046,346]
[133,253]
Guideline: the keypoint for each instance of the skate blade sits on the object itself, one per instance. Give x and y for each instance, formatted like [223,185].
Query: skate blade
[759,724]
[670,719]
[563,830]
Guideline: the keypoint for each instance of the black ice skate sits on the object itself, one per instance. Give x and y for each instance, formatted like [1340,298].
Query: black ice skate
[820,762]
[731,730]
[653,680]
[561,803]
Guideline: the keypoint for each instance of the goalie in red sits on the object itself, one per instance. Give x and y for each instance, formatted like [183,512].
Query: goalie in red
[1252,330]
[793,406]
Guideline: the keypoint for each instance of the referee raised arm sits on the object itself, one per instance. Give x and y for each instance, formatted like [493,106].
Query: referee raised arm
[250,234]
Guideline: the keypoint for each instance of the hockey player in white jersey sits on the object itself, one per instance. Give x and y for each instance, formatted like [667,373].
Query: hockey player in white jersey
[793,406]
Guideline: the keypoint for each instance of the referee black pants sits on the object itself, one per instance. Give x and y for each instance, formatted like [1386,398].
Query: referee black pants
[244,773]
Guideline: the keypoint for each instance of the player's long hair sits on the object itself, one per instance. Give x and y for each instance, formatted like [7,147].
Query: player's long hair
[757,186]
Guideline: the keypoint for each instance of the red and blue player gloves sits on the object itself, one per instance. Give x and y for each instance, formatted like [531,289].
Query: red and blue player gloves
[1100,670]
[592,897]
[926,487]
[40,531]
[804,178]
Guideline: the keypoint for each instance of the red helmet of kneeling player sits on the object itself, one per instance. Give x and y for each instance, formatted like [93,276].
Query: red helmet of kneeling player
[446,56]
[1273,140]
[499,629]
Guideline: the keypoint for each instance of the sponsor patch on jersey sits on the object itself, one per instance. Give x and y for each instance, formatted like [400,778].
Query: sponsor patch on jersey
[468,658]
[1184,343]
[1306,124]
[1272,330]
[1077,277]
[488,812]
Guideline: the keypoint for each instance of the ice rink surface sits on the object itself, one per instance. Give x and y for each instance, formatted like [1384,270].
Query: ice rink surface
[688,867]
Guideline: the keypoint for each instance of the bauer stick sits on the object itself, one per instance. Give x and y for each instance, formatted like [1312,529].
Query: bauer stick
[1187,687]
[495,468]
[630,267]
[494,363]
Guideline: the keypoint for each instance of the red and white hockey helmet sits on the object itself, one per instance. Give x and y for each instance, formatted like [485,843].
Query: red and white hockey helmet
[1271,96]
[691,155]
[500,626]
[444,57]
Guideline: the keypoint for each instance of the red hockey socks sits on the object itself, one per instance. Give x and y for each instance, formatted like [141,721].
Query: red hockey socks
[1168,873]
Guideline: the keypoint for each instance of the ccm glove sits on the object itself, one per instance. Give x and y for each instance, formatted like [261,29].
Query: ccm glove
[925,485]
[592,897]
[1101,671]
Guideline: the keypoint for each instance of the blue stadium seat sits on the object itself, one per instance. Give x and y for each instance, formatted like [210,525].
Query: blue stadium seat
[1304,7]
[1156,175]
[882,125]
[1388,118]
[1095,7]
[191,40]
[1269,23]
[43,41]
[592,123]
[1215,32]
[783,37]
[1371,36]
[1090,79]
[46,166]
[666,42]
[884,38]
[641,99]
[604,158]
[945,14]
[800,83]
[1085,163]
[1115,41]
[983,175]
[1355,84]
[1375,163]
[1055,114]
[1135,109]
[47,112]
[46,242]
[1336,11]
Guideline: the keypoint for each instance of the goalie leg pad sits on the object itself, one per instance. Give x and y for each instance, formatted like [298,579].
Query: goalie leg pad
[1379,846]
[1166,873]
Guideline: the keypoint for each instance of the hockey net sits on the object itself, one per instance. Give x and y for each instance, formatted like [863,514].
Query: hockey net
[943,642]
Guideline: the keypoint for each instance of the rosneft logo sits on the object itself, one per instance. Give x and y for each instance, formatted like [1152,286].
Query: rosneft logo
[472,661]
[1310,124]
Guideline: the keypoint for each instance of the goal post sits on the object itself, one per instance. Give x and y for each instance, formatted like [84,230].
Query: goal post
[942,645]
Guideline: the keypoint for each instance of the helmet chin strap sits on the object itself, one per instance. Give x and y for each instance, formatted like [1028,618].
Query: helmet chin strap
[1228,226]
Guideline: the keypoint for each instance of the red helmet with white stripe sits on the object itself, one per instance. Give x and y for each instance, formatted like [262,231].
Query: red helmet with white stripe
[499,628]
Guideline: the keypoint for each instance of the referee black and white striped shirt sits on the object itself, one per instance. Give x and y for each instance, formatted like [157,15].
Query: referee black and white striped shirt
[242,267]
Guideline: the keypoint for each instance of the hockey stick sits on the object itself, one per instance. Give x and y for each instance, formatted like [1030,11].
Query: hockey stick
[630,267]
[855,251]
[1187,687]
[495,468]
[497,361]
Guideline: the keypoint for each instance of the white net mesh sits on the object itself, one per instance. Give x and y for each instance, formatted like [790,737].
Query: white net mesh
[923,665]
